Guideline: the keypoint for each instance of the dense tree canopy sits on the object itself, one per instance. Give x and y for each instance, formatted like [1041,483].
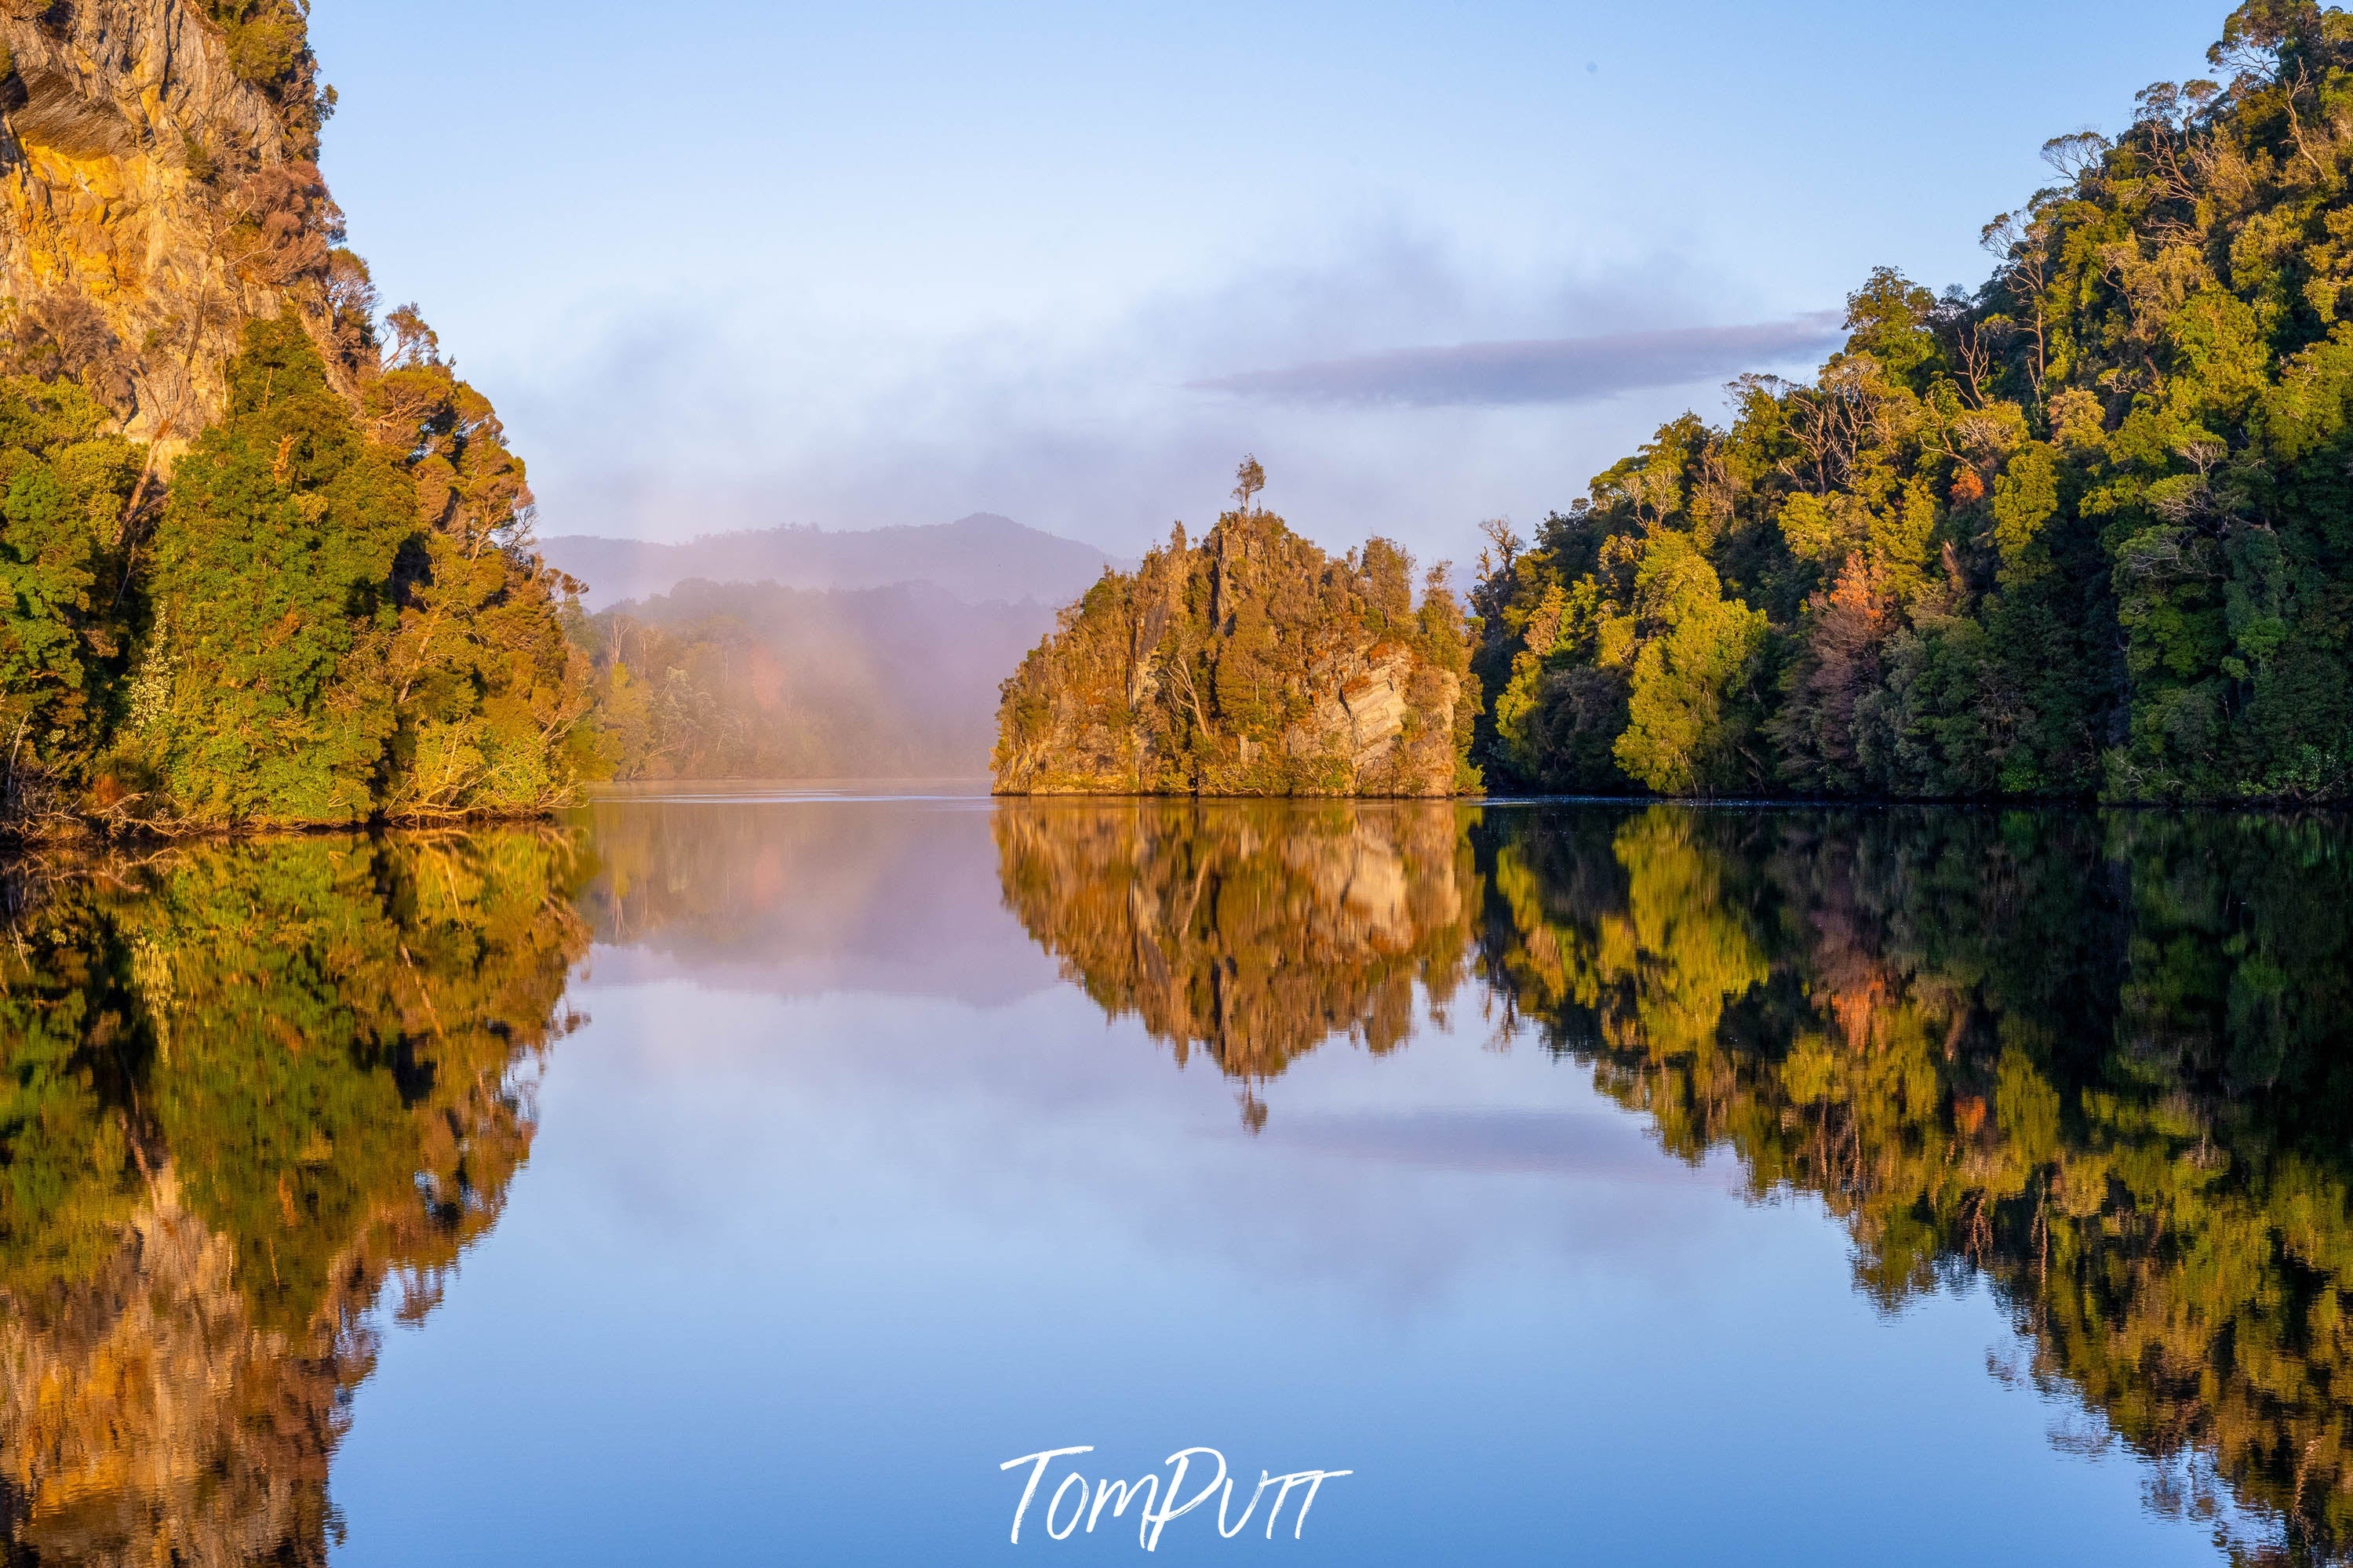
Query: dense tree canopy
[329,612]
[2086,532]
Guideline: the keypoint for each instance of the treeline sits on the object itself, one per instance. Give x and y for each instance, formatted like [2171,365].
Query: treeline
[1252,663]
[753,680]
[2087,531]
[330,612]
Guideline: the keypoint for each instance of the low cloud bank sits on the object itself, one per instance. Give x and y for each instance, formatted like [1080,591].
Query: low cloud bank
[1539,371]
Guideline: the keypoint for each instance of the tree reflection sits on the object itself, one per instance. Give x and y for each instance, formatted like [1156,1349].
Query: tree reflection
[246,1086]
[1252,932]
[2099,1061]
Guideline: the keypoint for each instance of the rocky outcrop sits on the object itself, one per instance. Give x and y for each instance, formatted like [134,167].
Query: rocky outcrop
[153,199]
[1393,720]
[1252,665]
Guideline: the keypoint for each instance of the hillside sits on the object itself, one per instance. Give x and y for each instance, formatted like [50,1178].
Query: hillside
[264,559]
[739,680]
[977,559]
[2082,534]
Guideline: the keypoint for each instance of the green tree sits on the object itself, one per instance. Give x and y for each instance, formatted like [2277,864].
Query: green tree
[1689,701]
[263,692]
[67,484]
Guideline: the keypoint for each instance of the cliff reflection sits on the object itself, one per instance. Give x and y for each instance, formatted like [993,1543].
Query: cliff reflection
[2101,1061]
[242,1089]
[1252,932]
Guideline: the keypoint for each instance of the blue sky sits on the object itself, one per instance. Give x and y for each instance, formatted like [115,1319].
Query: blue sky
[725,264]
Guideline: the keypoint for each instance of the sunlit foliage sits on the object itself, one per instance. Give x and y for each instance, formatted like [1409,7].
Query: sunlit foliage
[1251,665]
[2079,533]
[330,612]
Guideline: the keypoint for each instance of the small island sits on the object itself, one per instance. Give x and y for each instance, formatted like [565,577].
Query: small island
[1251,664]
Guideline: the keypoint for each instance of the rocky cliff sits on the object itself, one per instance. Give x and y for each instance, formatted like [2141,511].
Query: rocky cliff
[157,192]
[270,563]
[1251,664]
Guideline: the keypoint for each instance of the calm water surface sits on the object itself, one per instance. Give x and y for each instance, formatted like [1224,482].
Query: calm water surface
[737,1178]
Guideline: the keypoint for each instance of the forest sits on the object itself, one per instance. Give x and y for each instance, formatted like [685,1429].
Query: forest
[265,560]
[2085,532]
[753,680]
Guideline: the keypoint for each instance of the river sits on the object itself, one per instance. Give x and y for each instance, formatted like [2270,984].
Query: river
[770,1176]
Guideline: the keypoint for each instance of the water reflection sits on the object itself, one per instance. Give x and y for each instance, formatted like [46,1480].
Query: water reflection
[802,896]
[1254,933]
[2098,1061]
[242,1087]
[255,1096]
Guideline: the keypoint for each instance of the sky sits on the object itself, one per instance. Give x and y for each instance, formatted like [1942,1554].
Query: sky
[727,264]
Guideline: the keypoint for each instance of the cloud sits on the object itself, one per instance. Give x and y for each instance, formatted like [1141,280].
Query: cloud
[684,416]
[1539,370]
[1554,1143]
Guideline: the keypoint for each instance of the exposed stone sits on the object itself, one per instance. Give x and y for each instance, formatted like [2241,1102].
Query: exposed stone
[1253,665]
[138,171]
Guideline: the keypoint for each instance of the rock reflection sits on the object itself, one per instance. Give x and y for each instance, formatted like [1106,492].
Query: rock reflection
[1253,932]
[244,1088]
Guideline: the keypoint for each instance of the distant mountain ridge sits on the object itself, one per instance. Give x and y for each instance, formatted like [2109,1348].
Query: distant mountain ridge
[979,559]
[739,680]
